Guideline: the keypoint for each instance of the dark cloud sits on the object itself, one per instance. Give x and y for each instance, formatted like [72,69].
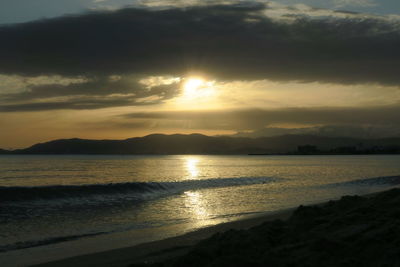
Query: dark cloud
[66,104]
[92,94]
[235,42]
[253,119]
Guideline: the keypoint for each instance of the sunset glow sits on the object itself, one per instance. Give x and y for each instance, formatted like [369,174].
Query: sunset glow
[124,122]
[191,75]
[197,88]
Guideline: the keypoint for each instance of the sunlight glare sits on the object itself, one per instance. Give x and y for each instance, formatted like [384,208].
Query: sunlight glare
[191,85]
[194,201]
[196,93]
[191,166]
[197,87]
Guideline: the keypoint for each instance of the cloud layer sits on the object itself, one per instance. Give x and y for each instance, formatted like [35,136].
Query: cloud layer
[226,42]
[141,56]
[95,93]
[252,119]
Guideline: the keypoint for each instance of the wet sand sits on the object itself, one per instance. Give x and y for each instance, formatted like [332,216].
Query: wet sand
[352,231]
[162,249]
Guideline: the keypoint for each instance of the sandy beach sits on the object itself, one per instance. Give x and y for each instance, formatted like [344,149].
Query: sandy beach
[163,249]
[352,231]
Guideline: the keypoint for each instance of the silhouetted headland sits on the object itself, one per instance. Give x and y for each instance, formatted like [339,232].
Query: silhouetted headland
[200,144]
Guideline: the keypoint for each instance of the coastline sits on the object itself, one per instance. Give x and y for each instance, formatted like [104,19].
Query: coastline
[165,248]
[155,222]
[352,231]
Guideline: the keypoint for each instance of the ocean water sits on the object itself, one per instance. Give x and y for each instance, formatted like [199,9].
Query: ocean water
[48,200]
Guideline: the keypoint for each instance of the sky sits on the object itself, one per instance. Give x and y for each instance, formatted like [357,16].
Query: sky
[115,69]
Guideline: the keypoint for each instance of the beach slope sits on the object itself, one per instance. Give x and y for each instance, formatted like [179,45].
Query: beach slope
[353,231]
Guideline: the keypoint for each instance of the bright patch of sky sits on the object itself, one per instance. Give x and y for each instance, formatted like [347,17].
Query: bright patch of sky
[367,6]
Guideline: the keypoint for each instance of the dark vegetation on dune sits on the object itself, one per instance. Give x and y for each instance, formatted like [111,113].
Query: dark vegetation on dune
[353,231]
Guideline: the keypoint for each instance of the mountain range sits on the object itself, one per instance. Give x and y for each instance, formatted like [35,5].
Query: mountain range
[201,144]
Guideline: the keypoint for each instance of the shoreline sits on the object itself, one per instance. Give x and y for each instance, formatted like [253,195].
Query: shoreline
[110,251]
[352,231]
[164,248]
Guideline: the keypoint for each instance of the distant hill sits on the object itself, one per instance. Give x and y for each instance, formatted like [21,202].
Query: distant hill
[3,151]
[201,144]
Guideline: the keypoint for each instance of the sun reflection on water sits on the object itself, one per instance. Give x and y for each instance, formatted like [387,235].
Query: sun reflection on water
[195,202]
[191,167]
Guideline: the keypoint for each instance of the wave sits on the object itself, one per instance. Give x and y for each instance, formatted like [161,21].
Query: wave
[126,191]
[48,241]
[376,181]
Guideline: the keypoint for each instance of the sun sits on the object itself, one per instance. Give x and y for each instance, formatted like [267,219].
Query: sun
[195,88]
[196,93]
[192,87]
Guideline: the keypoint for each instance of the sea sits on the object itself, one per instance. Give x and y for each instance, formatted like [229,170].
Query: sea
[51,203]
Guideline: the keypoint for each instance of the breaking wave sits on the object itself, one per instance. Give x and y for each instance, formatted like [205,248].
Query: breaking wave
[126,191]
